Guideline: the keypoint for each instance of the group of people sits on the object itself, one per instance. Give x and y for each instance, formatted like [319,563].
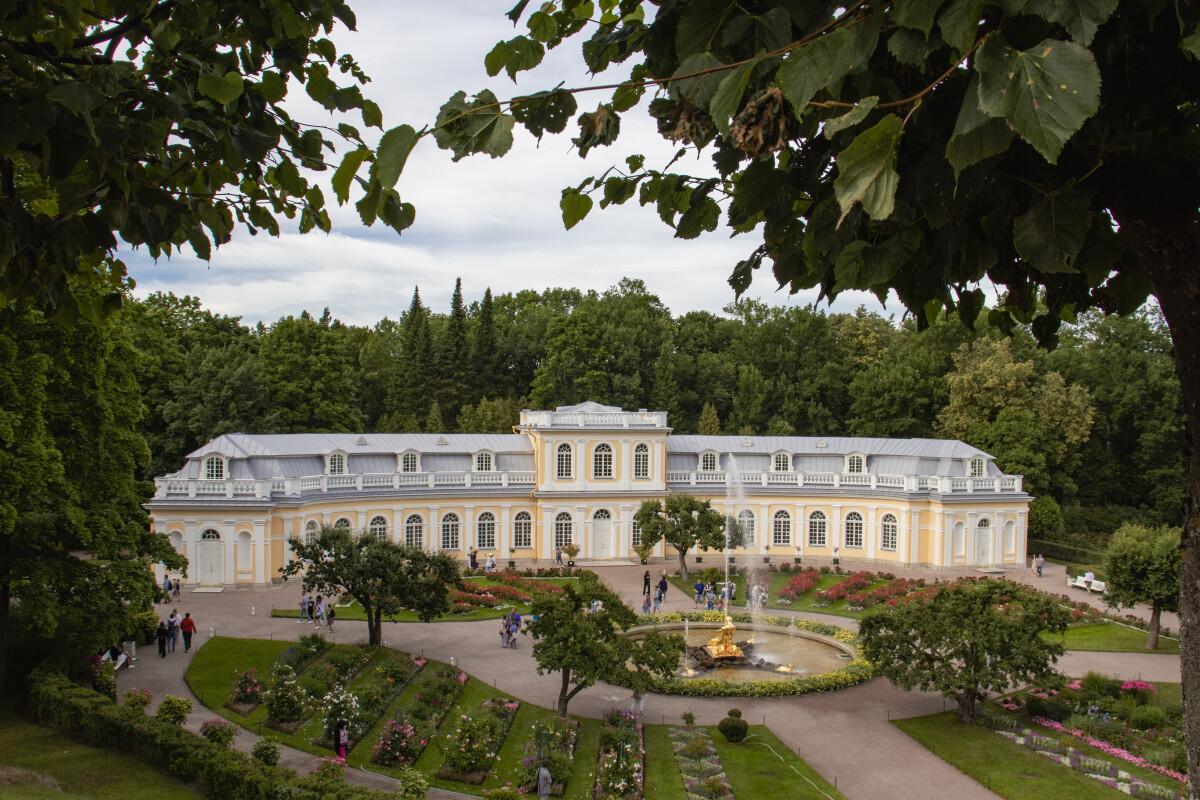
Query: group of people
[473,560]
[170,590]
[656,597]
[756,598]
[170,629]
[706,593]
[510,626]
[316,609]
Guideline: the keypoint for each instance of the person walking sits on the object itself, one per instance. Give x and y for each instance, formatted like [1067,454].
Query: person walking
[305,616]
[646,584]
[658,601]
[330,613]
[638,701]
[558,556]
[646,604]
[166,587]
[662,585]
[545,783]
[173,627]
[312,609]
[320,609]
[491,563]
[504,632]
[161,636]
[341,738]
[698,586]
[175,589]
[1041,563]
[187,626]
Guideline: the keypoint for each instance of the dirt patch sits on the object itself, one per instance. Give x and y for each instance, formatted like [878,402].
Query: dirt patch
[11,776]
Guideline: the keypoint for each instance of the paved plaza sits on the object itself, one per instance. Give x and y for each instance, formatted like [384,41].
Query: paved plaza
[837,733]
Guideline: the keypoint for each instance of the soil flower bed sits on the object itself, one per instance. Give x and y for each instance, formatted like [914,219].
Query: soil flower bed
[559,738]
[621,769]
[473,748]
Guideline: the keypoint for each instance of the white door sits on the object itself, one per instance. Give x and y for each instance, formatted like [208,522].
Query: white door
[209,556]
[983,540]
[602,538]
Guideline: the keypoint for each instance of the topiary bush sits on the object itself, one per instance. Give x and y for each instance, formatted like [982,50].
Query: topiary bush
[736,713]
[219,732]
[734,729]
[265,751]
[173,710]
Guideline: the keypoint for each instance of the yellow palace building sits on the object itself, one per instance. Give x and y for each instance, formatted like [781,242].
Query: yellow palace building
[576,475]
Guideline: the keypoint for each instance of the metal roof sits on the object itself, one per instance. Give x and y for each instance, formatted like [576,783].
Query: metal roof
[248,445]
[834,445]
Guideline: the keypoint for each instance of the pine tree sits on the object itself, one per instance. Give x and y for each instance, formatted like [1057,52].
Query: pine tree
[433,422]
[710,423]
[484,363]
[415,383]
[453,387]
[665,394]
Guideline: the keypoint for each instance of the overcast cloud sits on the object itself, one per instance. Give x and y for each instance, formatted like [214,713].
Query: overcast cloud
[493,222]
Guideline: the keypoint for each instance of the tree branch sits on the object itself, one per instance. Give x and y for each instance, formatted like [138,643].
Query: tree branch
[130,23]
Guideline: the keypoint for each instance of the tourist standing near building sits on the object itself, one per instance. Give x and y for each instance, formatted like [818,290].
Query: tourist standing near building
[187,626]
[646,584]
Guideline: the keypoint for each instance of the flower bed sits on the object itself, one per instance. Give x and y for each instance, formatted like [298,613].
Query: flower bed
[620,770]
[559,738]
[797,585]
[474,746]
[291,699]
[246,694]
[699,765]
[1111,750]
[900,587]
[839,591]
[404,739]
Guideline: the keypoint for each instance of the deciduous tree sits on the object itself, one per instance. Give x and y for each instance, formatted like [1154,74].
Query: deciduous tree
[1141,565]
[684,522]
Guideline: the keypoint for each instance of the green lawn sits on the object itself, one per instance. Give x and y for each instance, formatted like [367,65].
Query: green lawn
[755,771]
[662,775]
[778,581]
[1109,637]
[1009,769]
[82,773]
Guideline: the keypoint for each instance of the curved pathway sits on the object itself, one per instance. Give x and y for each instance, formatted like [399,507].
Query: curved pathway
[832,732]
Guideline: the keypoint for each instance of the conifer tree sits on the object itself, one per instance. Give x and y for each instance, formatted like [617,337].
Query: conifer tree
[710,423]
[416,382]
[452,390]
[433,422]
[485,365]
[665,394]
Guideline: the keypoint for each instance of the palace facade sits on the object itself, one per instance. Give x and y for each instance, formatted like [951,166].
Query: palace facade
[577,475]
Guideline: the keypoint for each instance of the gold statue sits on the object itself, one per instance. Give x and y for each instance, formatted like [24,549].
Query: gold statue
[722,646]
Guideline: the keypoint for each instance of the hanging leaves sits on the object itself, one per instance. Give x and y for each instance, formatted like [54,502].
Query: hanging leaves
[474,127]
[867,170]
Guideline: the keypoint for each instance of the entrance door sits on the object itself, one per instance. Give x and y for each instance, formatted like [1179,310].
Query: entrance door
[983,539]
[208,554]
[602,538]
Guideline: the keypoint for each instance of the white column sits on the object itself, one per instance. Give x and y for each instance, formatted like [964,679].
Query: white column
[261,543]
[626,464]
[470,536]
[869,530]
[397,524]
[435,529]
[912,522]
[972,538]
[228,551]
[764,528]
[547,526]
[948,533]
[836,530]
[504,530]
[1022,537]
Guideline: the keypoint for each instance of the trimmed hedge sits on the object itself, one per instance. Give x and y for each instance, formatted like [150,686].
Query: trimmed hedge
[1057,551]
[224,774]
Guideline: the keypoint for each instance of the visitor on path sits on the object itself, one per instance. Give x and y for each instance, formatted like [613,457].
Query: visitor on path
[330,613]
[312,609]
[175,589]
[545,784]
[118,657]
[173,627]
[187,626]
[1041,563]
[166,587]
[491,563]
[662,585]
[658,601]
[646,584]
[341,738]
[699,588]
[558,556]
[646,604]
[305,614]
[504,632]
[514,627]
[320,609]
[161,636]
[710,598]
[473,558]
[636,705]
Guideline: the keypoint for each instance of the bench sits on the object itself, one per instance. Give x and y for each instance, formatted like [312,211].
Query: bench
[1098,587]
[1079,583]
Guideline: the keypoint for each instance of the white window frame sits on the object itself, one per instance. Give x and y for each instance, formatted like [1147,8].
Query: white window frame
[414,531]
[451,527]
[564,529]
[409,457]
[852,537]
[343,523]
[709,461]
[818,529]
[977,467]
[485,461]
[635,534]
[856,464]
[889,533]
[523,530]
[210,535]
[215,468]
[602,461]
[748,523]
[781,528]
[564,462]
[311,531]
[485,525]
[641,461]
[781,462]
[338,458]
[376,530]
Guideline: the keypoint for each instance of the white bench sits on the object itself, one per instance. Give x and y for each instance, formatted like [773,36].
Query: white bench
[1079,583]
[1098,587]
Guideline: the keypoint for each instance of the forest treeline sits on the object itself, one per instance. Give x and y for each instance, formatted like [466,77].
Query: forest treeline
[1099,421]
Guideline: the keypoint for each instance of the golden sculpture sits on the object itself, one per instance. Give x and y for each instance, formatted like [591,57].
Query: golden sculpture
[722,646]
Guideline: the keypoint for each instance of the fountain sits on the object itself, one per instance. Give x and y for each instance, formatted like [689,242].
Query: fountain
[722,645]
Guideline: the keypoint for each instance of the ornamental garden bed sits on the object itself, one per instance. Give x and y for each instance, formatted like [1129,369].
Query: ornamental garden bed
[621,763]
[552,739]
[473,748]
[403,739]
[699,765]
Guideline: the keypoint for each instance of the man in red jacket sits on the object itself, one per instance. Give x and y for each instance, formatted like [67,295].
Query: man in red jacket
[187,627]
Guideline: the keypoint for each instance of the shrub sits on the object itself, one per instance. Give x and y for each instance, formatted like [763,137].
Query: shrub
[733,729]
[688,718]
[1052,708]
[173,710]
[247,690]
[138,698]
[736,713]
[1147,717]
[410,784]
[329,770]
[1045,517]
[1097,685]
[265,751]
[314,643]
[473,744]
[219,732]
[342,705]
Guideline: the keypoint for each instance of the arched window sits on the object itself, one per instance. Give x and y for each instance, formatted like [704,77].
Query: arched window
[641,461]
[985,523]
[1010,537]
[817,527]
[485,530]
[523,530]
[854,529]
[342,523]
[602,513]
[781,529]
[450,531]
[708,462]
[408,463]
[782,463]
[378,528]
[483,462]
[564,529]
[854,464]
[564,469]
[245,551]
[960,539]
[214,468]
[977,467]
[745,520]
[337,464]
[889,532]
[602,461]
[311,531]
[210,536]
[635,534]
[414,532]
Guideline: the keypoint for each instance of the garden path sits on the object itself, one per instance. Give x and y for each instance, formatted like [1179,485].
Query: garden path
[832,732]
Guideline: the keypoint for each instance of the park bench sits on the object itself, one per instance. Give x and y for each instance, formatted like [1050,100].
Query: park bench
[1098,587]
[1079,582]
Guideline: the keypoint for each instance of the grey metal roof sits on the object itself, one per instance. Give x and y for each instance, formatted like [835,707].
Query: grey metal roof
[245,445]
[590,406]
[834,445]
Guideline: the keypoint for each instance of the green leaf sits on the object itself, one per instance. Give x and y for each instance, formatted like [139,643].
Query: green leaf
[575,206]
[165,35]
[522,53]
[272,87]
[224,89]
[1081,18]
[862,265]
[544,111]
[599,127]
[344,174]
[729,93]
[756,188]
[1053,230]
[1191,43]
[476,127]
[1046,93]
[856,115]
[909,46]
[200,243]
[825,62]
[959,23]
[916,14]
[542,26]
[78,98]
[867,170]
[702,88]
[371,115]
[391,154]
[976,135]
[493,62]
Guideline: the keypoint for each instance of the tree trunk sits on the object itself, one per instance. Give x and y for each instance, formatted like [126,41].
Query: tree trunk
[966,706]
[1152,634]
[1173,264]
[5,599]
[564,695]
[682,563]
[375,632]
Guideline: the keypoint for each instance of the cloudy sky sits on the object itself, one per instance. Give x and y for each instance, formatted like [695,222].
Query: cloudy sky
[493,222]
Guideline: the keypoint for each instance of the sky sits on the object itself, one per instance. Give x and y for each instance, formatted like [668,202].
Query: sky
[493,222]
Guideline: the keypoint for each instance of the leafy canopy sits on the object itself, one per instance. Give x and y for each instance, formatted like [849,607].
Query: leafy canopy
[684,522]
[1142,566]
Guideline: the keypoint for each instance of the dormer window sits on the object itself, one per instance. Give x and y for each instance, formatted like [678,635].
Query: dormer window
[978,467]
[484,461]
[214,468]
[856,464]
[410,462]
[337,463]
[782,462]
[708,462]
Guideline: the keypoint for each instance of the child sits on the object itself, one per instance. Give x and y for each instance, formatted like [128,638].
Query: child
[646,604]
[513,629]
[504,632]
[710,599]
